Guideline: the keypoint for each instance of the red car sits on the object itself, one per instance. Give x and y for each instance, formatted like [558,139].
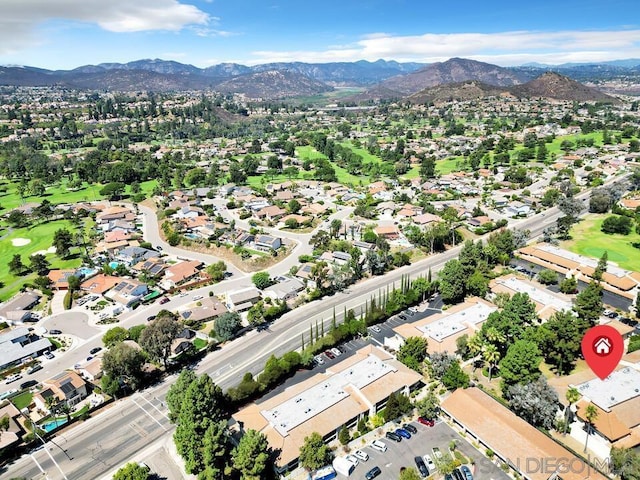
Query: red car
[329,354]
[163,300]
[427,422]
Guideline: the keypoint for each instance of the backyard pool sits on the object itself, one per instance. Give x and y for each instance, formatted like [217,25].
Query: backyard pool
[114,265]
[86,271]
[53,424]
[192,236]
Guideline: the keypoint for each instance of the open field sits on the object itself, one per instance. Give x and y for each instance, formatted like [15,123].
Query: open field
[588,240]
[41,237]
[453,164]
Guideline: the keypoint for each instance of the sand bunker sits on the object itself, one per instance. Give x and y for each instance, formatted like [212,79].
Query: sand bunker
[20,242]
[44,252]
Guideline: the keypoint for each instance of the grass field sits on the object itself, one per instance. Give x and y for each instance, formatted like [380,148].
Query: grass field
[449,165]
[588,240]
[41,237]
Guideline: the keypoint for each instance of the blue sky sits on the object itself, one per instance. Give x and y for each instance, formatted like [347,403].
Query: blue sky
[68,33]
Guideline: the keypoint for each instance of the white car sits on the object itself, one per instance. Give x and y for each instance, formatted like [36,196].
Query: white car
[198,297]
[319,360]
[360,455]
[352,460]
[13,378]
[376,328]
[379,445]
[430,465]
[336,352]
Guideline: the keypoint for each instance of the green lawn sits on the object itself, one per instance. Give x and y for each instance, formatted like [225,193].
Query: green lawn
[199,343]
[41,237]
[449,165]
[588,240]
[23,400]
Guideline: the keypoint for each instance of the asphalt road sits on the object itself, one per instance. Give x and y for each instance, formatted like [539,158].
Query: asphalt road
[226,366]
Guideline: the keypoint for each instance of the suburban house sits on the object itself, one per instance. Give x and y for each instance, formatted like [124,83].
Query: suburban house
[339,258]
[285,290]
[18,309]
[92,370]
[267,242]
[153,266]
[272,212]
[99,284]
[243,299]
[128,292]
[133,255]
[183,342]
[357,387]
[60,278]
[209,309]
[19,344]
[390,232]
[14,431]
[66,387]
[305,273]
[180,273]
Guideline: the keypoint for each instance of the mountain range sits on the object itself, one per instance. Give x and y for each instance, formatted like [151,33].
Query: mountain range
[380,79]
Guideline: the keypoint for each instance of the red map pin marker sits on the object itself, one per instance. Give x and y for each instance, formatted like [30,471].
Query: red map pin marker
[602,348]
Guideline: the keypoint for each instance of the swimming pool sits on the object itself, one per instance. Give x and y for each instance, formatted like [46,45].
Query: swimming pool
[53,424]
[192,236]
[86,271]
[114,265]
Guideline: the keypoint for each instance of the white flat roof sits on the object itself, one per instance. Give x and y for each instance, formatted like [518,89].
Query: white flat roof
[297,410]
[620,386]
[454,323]
[587,261]
[536,294]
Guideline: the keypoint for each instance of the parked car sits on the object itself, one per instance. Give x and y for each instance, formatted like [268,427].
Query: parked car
[164,300]
[436,453]
[393,436]
[95,350]
[403,433]
[422,467]
[373,473]
[13,378]
[89,358]
[430,465]
[151,318]
[376,328]
[457,474]
[466,472]
[319,360]
[49,355]
[198,297]
[410,428]
[28,384]
[158,248]
[352,459]
[360,455]
[329,354]
[379,445]
[55,332]
[34,368]
[336,352]
[426,421]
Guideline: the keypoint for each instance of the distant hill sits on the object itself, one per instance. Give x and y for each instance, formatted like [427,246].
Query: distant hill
[273,84]
[549,85]
[454,70]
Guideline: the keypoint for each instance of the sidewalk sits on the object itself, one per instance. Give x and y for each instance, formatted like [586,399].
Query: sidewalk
[57,302]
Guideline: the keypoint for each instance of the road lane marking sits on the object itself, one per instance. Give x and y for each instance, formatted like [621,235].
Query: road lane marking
[139,430]
[150,416]
[55,463]
[38,465]
[156,408]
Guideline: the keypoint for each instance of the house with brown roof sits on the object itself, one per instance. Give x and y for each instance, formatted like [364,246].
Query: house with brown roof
[272,212]
[390,232]
[180,273]
[209,308]
[66,387]
[127,292]
[356,387]
[60,278]
[12,434]
[99,283]
[514,441]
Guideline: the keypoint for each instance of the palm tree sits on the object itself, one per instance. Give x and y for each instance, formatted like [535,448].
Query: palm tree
[590,414]
[572,396]
[491,355]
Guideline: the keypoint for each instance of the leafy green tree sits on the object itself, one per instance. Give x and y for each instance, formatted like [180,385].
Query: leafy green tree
[616,224]
[16,267]
[560,341]
[177,391]
[294,206]
[547,277]
[114,336]
[113,190]
[124,362]
[520,364]
[477,284]
[588,304]
[314,454]
[413,352]
[39,264]
[535,402]
[429,406]
[572,396]
[18,219]
[157,338]
[397,405]
[62,241]
[135,332]
[568,285]
[343,436]
[626,462]
[227,325]
[454,377]
[251,456]
[491,355]
[590,416]
[217,270]
[409,473]
[261,280]
[452,282]
[132,471]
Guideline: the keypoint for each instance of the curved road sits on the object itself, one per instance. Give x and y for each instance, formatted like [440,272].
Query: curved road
[144,414]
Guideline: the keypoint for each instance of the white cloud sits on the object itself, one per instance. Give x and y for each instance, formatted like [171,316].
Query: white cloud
[504,48]
[20,18]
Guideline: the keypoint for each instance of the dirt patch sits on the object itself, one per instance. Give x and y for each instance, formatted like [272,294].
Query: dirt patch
[20,242]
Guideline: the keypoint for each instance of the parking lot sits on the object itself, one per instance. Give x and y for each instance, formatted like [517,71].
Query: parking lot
[401,454]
